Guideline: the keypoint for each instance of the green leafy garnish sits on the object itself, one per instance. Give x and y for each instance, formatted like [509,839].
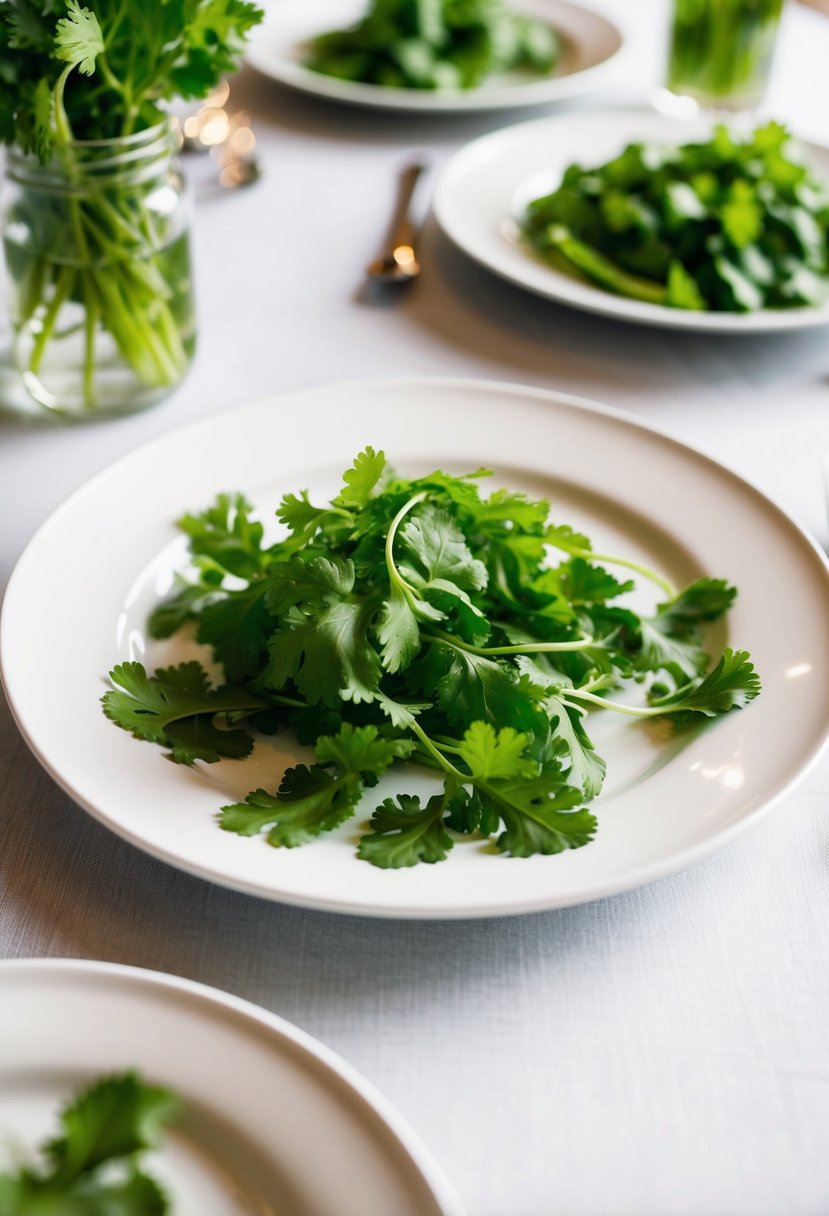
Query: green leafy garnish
[105,254]
[420,621]
[435,44]
[732,224]
[93,1167]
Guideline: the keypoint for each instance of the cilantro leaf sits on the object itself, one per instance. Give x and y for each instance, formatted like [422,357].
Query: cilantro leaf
[309,581]
[362,478]
[537,814]
[398,631]
[587,768]
[663,647]
[174,707]
[78,38]
[185,604]
[435,549]
[670,640]
[707,599]
[731,684]
[91,1168]
[226,533]
[329,656]
[361,749]
[310,800]
[116,1117]
[299,514]
[581,582]
[495,756]
[238,627]
[404,833]
[468,687]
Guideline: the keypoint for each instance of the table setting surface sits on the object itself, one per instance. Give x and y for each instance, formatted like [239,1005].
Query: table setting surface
[660,1052]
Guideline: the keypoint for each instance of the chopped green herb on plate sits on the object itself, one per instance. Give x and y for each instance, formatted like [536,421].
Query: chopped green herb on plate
[435,44]
[728,224]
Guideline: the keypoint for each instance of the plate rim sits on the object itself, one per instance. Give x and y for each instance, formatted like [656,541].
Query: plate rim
[310,1051]
[605,303]
[626,880]
[295,75]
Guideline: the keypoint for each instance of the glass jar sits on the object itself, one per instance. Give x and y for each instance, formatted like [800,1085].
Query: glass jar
[97,245]
[721,51]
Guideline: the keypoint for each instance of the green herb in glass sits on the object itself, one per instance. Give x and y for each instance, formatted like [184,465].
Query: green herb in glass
[721,50]
[95,221]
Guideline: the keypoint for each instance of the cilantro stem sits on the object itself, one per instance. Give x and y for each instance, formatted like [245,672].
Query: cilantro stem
[433,751]
[396,578]
[523,648]
[63,287]
[611,560]
[634,711]
[638,568]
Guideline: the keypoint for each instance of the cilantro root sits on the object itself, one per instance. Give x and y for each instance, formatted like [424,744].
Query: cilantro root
[419,620]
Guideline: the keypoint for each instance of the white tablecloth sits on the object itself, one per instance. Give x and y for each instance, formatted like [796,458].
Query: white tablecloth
[662,1053]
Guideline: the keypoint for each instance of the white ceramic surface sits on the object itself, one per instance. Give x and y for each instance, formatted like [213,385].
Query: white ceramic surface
[111,550]
[591,57]
[483,190]
[275,1124]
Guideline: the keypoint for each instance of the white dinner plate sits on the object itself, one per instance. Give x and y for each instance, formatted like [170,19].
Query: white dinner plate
[483,191]
[274,1123]
[591,57]
[109,553]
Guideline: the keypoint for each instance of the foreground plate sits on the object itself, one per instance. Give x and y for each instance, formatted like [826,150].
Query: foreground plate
[590,59]
[483,192]
[275,1123]
[111,549]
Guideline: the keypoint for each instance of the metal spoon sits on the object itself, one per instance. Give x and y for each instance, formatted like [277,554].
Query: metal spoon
[397,262]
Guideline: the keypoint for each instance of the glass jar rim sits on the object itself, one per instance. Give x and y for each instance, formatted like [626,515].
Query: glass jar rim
[123,160]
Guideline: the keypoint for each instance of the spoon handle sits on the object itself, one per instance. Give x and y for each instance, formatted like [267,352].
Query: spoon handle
[401,229]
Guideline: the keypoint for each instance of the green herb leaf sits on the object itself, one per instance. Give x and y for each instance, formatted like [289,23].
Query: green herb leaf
[78,40]
[309,801]
[175,708]
[92,1167]
[730,685]
[328,657]
[362,478]
[404,833]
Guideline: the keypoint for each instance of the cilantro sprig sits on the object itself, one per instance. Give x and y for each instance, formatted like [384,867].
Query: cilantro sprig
[421,621]
[93,1167]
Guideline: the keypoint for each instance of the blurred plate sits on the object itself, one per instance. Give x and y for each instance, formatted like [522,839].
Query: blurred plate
[484,189]
[590,58]
[275,1124]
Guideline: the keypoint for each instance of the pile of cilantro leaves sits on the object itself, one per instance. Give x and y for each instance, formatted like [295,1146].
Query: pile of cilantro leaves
[435,44]
[420,621]
[734,223]
[93,1167]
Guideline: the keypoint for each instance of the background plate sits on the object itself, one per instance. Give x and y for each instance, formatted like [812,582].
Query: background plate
[484,189]
[275,1123]
[591,58]
[111,549]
